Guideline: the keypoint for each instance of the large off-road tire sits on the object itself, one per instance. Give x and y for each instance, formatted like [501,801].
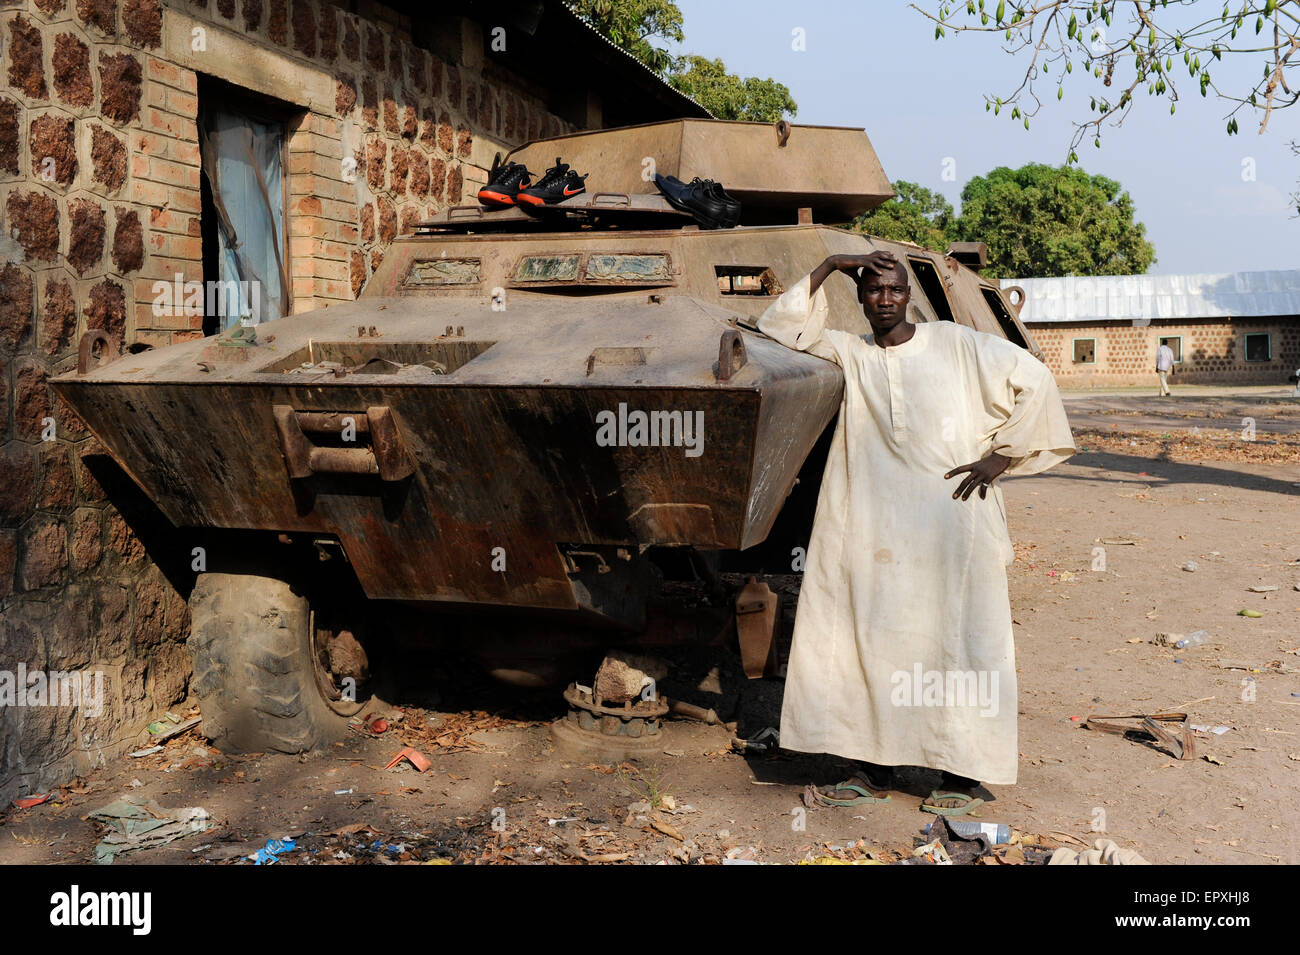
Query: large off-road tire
[250,638]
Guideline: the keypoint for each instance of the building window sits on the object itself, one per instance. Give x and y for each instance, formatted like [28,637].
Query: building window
[1175,343]
[1258,347]
[243,194]
[1085,351]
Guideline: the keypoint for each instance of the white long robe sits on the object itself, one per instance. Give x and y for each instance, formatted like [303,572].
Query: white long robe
[903,652]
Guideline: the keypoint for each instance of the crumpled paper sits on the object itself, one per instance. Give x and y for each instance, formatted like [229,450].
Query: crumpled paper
[136,823]
[1104,852]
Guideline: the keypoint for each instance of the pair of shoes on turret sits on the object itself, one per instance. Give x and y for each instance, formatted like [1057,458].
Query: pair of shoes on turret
[511,185]
[704,199]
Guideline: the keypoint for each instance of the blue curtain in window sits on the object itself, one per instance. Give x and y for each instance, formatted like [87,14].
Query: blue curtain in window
[241,158]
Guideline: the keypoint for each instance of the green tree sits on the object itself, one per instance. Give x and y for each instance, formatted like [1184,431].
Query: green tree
[728,96]
[1041,220]
[915,215]
[1122,48]
[633,24]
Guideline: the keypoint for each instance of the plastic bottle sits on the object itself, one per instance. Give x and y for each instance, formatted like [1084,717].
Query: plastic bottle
[998,833]
[1193,639]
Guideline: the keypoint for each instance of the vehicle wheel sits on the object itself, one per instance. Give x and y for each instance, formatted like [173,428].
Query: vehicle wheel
[258,656]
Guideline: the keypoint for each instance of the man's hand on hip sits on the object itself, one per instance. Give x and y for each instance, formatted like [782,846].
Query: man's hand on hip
[981,474]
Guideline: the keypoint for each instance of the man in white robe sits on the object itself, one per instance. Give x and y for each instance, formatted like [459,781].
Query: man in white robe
[903,652]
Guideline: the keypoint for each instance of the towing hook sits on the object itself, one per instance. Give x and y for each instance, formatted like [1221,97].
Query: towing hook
[731,355]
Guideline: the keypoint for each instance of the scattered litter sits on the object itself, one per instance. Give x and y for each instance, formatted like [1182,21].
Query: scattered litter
[1177,739]
[1191,566]
[167,732]
[271,852]
[1193,639]
[998,833]
[135,823]
[932,852]
[413,756]
[1263,588]
[1217,730]
[767,740]
[27,802]
[1104,852]
[1249,613]
[344,792]
[149,751]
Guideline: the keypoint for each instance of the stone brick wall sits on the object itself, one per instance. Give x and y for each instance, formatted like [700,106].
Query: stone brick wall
[100,199]
[1213,352]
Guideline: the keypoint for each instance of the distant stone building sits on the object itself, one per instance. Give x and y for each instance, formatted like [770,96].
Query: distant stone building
[120,124]
[1103,331]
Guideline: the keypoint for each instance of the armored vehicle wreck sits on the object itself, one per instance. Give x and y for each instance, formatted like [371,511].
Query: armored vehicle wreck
[519,411]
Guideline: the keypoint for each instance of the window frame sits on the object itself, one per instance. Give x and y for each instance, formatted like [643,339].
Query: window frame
[1178,352]
[1245,346]
[1074,351]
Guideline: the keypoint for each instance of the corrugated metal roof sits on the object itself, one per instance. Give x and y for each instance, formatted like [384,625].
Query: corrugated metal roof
[1145,298]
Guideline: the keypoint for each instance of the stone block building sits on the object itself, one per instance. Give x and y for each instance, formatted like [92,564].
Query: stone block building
[371,116]
[1103,331]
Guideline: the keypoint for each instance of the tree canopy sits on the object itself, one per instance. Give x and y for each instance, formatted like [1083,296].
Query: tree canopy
[1121,48]
[634,24]
[1040,220]
[1037,221]
[915,215]
[631,24]
[727,96]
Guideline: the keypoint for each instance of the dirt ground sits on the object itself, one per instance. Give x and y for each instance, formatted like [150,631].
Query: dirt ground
[1146,488]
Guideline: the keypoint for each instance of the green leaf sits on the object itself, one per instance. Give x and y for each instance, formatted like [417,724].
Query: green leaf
[1002,10]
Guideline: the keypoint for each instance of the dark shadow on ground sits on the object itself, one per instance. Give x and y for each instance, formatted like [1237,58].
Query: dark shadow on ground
[1162,471]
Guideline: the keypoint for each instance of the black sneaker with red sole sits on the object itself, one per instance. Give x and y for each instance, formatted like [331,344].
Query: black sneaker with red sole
[558,184]
[505,185]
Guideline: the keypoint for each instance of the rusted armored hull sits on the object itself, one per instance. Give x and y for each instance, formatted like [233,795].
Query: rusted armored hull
[492,486]
[486,425]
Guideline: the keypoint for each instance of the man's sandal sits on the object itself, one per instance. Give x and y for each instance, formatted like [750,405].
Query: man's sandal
[865,796]
[965,804]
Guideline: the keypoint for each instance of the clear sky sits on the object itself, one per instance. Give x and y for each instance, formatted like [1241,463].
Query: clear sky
[876,64]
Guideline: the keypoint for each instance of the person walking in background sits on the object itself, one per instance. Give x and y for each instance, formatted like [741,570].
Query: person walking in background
[1164,366]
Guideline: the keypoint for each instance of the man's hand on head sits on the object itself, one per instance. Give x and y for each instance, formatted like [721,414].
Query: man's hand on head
[981,475]
[879,262]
